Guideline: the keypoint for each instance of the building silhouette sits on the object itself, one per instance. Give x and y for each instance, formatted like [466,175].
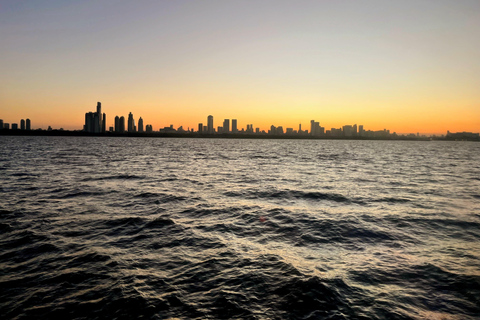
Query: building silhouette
[210,125]
[94,121]
[226,126]
[234,126]
[122,124]
[22,124]
[117,124]
[140,124]
[131,123]
[1,124]
[27,125]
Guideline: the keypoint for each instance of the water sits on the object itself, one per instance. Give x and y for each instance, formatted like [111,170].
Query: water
[130,228]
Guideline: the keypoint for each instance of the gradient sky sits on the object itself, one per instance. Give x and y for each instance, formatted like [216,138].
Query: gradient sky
[408,66]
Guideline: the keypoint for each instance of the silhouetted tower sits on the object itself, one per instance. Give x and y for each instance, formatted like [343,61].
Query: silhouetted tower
[210,124]
[104,123]
[1,124]
[22,124]
[117,124]
[226,126]
[122,124]
[98,123]
[200,127]
[360,130]
[234,126]
[140,125]
[131,123]
[27,122]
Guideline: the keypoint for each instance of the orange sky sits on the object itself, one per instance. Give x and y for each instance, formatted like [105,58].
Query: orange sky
[406,66]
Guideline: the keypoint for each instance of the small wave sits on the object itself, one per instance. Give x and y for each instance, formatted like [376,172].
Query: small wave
[292,194]
[159,223]
[392,200]
[116,177]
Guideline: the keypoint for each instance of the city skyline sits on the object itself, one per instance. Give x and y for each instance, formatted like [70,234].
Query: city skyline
[96,123]
[408,66]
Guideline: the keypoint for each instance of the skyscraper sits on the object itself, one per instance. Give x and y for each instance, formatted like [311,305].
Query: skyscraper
[140,125]
[99,122]
[131,123]
[234,126]
[27,122]
[200,127]
[210,124]
[122,124]
[117,124]
[226,126]
[1,124]
[104,123]
[22,124]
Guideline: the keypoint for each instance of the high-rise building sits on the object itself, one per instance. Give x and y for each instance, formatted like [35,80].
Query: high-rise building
[99,120]
[95,121]
[234,126]
[104,123]
[360,130]
[200,128]
[14,126]
[117,124]
[210,124]
[28,126]
[140,125]
[122,124]
[1,124]
[131,123]
[226,126]
[149,128]
[22,124]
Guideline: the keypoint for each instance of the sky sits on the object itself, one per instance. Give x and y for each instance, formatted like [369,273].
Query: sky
[407,66]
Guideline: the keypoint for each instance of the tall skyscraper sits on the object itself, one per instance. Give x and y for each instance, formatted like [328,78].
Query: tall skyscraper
[140,125]
[234,126]
[122,124]
[1,124]
[22,124]
[210,124]
[99,115]
[226,126]
[104,123]
[27,122]
[117,124]
[131,123]
[95,121]
[200,127]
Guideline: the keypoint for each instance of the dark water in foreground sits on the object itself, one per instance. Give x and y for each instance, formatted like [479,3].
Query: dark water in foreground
[125,228]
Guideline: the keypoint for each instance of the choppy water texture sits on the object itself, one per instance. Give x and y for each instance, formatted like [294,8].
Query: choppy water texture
[128,228]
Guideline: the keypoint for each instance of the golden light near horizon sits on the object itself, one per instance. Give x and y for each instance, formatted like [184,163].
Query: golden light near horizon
[407,67]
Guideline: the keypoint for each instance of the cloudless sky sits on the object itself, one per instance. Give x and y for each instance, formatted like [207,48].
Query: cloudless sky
[408,66]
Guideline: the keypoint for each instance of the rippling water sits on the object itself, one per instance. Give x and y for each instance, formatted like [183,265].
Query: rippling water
[127,228]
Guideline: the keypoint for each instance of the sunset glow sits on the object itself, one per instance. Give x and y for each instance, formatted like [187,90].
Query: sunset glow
[406,66]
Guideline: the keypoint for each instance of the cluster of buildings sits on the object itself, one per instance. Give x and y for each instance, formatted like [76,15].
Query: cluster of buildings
[315,130]
[24,125]
[95,122]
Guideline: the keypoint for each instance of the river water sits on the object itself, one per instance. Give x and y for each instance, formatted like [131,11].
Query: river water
[162,228]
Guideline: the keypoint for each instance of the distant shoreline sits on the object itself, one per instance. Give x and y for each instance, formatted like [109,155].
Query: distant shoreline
[69,133]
